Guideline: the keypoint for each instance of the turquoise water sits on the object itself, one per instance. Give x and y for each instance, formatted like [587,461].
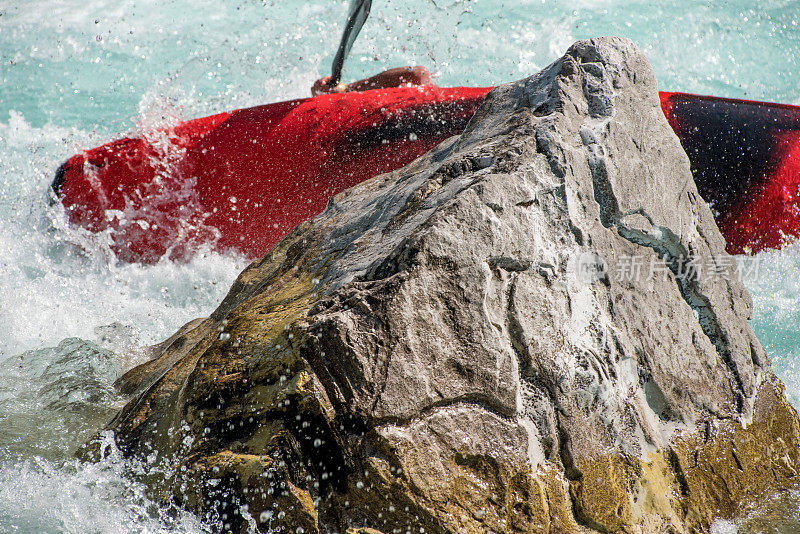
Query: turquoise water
[74,74]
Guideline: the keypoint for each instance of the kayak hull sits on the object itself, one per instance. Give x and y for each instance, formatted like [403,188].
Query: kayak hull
[745,159]
[240,181]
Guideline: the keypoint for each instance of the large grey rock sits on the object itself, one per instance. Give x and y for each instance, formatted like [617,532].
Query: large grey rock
[466,345]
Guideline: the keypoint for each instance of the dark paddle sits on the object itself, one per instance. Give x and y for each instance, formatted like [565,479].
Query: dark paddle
[359,11]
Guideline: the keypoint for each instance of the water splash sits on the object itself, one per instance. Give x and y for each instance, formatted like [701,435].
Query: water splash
[41,496]
[775,287]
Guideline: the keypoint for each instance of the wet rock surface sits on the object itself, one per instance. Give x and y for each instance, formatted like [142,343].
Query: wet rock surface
[533,328]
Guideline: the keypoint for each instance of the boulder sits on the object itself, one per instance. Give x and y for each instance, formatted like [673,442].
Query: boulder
[532,328]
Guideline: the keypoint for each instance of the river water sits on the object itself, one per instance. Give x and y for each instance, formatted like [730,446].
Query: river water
[77,73]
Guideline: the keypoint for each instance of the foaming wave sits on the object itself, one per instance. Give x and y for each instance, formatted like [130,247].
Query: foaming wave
[775,287]
[51,401]
[39,496]
[47,298]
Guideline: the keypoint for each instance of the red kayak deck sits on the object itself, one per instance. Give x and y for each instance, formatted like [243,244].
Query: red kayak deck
[240,181]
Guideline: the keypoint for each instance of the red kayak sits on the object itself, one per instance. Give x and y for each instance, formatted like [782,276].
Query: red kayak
[240,181]
[745,158]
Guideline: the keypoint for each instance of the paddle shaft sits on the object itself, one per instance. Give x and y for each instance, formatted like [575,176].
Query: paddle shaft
[359,12]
